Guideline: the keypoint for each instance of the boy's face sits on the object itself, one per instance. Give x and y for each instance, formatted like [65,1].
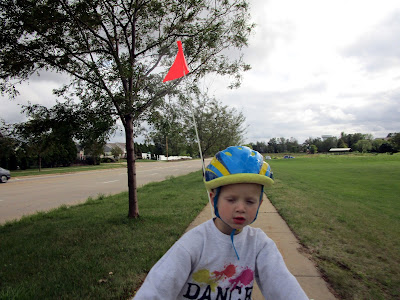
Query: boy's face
[237,205]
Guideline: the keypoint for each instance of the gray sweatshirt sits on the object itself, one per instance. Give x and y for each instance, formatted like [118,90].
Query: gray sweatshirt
[202,264]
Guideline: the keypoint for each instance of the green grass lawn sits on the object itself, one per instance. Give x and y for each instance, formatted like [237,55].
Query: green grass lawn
[346,211]
[93,251]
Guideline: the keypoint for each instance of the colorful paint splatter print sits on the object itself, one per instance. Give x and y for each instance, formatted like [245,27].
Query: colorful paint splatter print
[231,279]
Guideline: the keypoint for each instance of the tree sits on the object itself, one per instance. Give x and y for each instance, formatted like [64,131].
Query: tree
[313,149]
[282,146]
[93,151]
[386,147]
[168,129]
[341,144]
[218,126]
[260,147]
[327,144]
[8,146]
[116,152]
[115,49]
[273,146]
[352,139]
[36,135]
[363,146]
[376,144]
[293,145]
[317,142]
[395,141]
[48,134]
[95,125]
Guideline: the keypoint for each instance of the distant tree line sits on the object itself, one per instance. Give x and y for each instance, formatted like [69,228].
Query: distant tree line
[52,136]
[357,142]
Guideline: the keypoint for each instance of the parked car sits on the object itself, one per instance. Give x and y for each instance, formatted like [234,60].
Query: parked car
[267,157]
[4,175]
[288,156]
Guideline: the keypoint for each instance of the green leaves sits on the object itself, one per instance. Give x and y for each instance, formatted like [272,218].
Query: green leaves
[81,37]
[218,126]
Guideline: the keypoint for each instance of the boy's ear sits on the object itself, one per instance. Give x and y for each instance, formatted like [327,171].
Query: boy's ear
[212,195]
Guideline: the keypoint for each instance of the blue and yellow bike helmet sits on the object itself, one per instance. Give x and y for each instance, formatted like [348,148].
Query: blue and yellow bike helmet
[237,164]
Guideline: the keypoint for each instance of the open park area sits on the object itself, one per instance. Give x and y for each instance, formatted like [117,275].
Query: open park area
[345,210]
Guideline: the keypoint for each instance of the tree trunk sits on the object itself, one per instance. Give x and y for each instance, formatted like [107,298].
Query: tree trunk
[130,152]
[40,163]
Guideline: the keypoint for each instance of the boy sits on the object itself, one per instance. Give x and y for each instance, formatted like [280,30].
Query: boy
[220,258]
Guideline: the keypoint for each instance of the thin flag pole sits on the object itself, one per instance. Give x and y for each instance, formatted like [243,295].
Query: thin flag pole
[201,154]
[174,73]
[197,136]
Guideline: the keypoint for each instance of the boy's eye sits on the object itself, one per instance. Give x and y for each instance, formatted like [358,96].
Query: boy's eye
[231,200]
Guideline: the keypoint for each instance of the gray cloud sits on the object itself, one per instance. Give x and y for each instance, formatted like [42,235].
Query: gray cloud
[37,90]
[381,111]
[380,48]
[10,111]
[291,114]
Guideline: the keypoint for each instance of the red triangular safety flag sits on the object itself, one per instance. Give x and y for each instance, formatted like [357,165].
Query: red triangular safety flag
[179,67]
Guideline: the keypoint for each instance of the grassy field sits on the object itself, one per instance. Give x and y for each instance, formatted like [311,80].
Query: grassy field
[346,211]
[93,251]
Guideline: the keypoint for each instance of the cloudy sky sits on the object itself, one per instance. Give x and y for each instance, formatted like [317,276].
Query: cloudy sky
[318,68]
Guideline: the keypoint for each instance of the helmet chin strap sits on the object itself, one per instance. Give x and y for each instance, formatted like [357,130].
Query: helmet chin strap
[217,192]
[261,196]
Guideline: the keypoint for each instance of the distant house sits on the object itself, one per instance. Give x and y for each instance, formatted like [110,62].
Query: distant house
[109,146]
[339,150]
[146,155]
[388,137]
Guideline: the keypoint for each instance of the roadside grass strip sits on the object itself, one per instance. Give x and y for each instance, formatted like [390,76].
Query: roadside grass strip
[346,211]
[92,250]
[61,170]
[73,169]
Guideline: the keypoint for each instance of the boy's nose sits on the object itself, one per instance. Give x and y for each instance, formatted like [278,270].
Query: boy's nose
[240,207]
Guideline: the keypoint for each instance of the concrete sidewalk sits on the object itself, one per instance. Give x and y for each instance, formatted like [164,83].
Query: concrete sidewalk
[298,264]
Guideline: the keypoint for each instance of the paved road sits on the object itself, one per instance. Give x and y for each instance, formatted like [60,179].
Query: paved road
[26,195]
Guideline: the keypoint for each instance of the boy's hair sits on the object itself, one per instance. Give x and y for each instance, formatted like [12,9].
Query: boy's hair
[237,164]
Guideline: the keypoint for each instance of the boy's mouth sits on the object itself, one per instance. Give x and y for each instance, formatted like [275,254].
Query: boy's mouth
[239,220]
